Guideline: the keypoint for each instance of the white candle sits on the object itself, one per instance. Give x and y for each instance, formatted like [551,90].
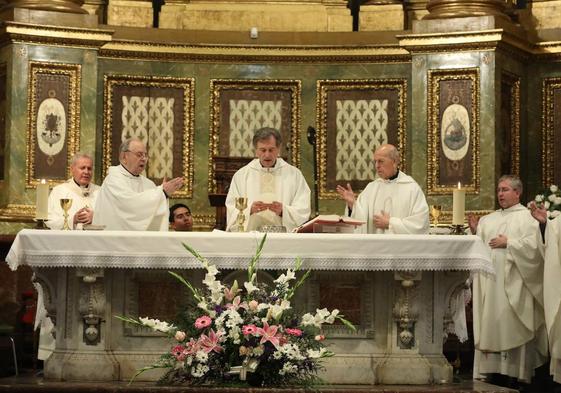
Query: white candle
[42,204]
[458,205]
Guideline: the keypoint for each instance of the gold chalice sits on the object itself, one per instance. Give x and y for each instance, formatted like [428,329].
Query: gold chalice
[241,205]
[435,211]
[66,204]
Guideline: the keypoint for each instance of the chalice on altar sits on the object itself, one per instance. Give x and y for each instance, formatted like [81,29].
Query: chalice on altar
[241,205]
[435,211]
[66,204]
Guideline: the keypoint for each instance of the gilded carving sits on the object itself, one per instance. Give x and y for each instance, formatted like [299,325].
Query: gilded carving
[239,107]
[354,117]
[551,154]
[453,130]
[53,132]
[158,110]
[509,130]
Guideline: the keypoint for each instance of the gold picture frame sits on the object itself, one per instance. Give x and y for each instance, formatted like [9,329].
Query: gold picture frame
[453,130]
[279,98]
[379,116]
[153,106]
[551,93]
[53,132]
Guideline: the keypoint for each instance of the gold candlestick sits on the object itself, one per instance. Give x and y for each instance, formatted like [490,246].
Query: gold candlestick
[241,205]
[66,204]
[435,211]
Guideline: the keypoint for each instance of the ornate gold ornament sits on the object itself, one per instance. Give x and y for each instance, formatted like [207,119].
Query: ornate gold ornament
[468,122]
[187,85]
[17,213]
[71,115]
[549,142]
[220,86]
[324,88]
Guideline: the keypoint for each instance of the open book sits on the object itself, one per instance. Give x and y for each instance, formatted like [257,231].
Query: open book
[328,219]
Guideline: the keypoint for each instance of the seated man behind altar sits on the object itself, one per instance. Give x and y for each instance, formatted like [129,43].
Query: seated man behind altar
[392,203]
[180,218]
[277,193]
[128,200]
[80,190]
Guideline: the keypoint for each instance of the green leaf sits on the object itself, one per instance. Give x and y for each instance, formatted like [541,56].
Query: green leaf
[346,323]
[193,290]
[253,264]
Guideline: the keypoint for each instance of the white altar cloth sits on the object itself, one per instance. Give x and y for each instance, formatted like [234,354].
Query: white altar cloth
[164,250]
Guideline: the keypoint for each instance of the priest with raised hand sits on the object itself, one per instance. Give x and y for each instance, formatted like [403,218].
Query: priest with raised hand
[508,314]
[80,190]
[393,203]
[551,285]
[277,191]
[129,200]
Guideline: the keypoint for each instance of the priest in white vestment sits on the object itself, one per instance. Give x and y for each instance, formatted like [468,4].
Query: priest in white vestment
[392,203]
[277,191]
[80,190]
[552,285]
[129,200]
[508,314]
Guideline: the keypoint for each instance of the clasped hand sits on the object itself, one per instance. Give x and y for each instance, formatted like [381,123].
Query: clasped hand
[382,220]
[83,216]
[498,242]
[275,207]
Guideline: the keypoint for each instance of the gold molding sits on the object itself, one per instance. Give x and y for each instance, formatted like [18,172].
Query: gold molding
[218,85]
[17,213]
[513,81]
[548,129]
[188,86]
[54,35]
[433,128]
[229,53]
[204,222]
[73,71]
[325,86]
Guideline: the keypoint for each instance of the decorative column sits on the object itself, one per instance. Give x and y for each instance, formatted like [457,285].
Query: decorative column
[442,9]
[96,7]
[69,6]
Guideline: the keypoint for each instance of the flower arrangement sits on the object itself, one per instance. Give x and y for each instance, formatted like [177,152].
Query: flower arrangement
[243,333]
[550,199]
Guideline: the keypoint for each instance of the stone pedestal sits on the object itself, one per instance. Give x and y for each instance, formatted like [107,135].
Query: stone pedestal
[135,13]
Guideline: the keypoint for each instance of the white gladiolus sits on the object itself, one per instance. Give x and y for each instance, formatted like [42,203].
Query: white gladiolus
[249,287]
[539,198]
[285,278]
[553,188]
[551,198]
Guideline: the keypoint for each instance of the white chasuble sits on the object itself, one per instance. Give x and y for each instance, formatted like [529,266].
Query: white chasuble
[401,198]
[81,197]
[282,183]
[552,293]
[508,316]
[133,203]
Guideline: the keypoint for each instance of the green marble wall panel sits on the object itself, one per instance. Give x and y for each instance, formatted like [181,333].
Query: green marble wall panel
[204,72]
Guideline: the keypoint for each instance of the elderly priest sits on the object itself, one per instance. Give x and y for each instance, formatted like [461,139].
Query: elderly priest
[277,192]
[393,203]
[130,201]
[508,315]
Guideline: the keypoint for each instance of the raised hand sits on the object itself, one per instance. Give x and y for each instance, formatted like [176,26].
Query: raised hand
[347,194]
[538,212]
[171,186]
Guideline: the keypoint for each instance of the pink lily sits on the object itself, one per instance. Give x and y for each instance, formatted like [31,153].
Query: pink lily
[237,304]
[211,342]
[269,333]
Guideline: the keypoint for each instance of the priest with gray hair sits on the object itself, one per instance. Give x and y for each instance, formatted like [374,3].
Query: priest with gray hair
[128,200]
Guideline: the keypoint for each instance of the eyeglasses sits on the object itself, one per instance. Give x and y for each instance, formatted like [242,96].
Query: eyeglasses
[139,154]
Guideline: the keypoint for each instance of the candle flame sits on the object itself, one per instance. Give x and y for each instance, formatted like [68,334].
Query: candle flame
[459,185]
[43,181]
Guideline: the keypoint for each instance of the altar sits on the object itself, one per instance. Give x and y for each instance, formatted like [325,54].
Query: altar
[400,291]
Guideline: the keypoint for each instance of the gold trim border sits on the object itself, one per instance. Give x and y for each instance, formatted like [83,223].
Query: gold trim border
[73,123]
[326,85]
[548,131]
[188,86]
[17,213]
[433,128]
[513,81]
[293,86]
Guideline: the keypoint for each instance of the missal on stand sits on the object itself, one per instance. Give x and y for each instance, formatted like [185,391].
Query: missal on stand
[329,223]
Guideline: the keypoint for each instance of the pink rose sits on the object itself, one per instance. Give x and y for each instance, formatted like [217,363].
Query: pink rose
[249,329]
[319,337]
[180,336]
[203,322]
[293,332]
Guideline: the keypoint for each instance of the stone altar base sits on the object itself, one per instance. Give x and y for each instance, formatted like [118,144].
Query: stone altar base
[34,384]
